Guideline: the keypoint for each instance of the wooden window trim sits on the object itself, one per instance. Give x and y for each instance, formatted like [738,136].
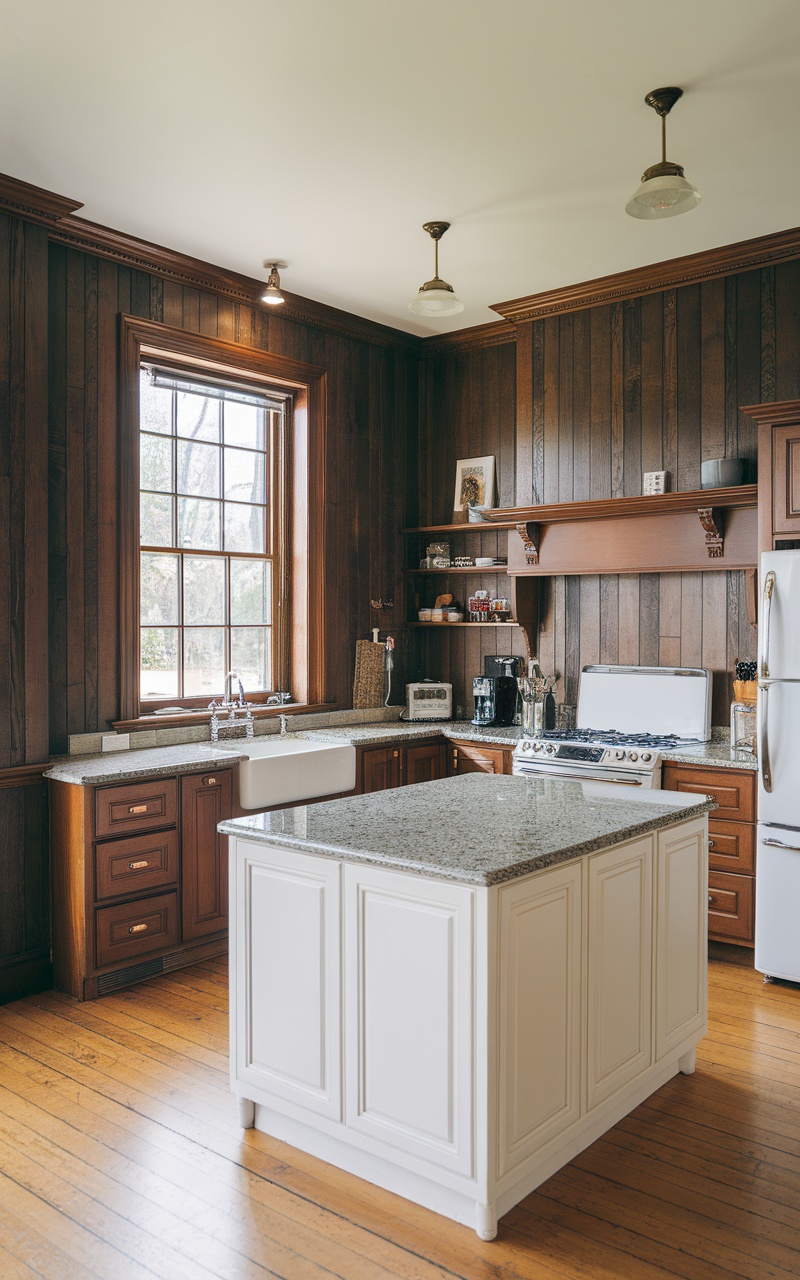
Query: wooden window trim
[303,482]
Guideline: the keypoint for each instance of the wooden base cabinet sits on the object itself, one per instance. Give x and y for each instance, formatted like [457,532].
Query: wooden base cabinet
[485,1036]
[396,765]
[140,878]
[731,846]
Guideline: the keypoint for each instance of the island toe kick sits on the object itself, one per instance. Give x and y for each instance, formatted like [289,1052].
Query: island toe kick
[457,1043]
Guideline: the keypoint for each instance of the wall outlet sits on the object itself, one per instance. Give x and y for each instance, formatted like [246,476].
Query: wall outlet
[115,742]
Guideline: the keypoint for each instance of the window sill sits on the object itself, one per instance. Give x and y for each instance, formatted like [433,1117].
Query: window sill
[194,718]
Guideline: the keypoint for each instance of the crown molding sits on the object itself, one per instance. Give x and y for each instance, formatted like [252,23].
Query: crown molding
[763,251]
[142,255]
[34,204]
[495,333]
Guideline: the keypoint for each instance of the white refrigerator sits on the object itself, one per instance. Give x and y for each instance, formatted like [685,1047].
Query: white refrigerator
[778,857]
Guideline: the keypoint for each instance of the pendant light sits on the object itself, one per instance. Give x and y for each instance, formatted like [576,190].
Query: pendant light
[272,294]
[664,192]
[436,296]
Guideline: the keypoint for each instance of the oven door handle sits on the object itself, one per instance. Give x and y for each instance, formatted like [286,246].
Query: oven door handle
[580,777]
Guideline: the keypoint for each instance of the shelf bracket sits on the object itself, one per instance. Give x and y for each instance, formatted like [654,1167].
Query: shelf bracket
[711,520]
[529,533]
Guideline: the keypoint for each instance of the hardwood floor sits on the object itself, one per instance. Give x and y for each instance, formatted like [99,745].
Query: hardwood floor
[120,1156]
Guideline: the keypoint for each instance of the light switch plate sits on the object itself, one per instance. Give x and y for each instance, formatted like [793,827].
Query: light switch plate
[115,742]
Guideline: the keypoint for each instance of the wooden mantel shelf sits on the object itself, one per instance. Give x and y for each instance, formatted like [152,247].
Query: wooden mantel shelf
[694,530]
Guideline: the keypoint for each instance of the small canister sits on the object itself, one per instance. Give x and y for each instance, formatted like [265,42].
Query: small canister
[437,615]
[425,615]
[454,615]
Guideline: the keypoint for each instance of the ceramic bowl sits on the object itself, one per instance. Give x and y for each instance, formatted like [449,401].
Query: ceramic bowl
[721,473]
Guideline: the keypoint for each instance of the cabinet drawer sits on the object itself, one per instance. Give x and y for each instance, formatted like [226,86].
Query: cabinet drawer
[734,792]
[137,806]
[136,864]
[731,846]
[135,928]
[730,906]
[468,758]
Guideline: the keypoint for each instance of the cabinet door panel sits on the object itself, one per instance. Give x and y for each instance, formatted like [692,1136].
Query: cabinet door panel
[425,763]
[681,915]
[539,1069]
[731,907]
[468,758]
[408,982]
[286,970]
[380,769]
[205,802]
[620,968]
[786,479]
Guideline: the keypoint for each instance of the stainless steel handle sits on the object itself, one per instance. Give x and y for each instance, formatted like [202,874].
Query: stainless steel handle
[779,844]
[763,750]
[580,777]
[769,588]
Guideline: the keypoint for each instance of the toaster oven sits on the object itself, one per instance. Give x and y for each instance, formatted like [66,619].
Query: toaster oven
[429,700]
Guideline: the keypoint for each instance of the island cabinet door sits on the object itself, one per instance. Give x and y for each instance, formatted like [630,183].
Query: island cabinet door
[285,966]
[681,951]
[539,1040]
[409,956]
[619,973]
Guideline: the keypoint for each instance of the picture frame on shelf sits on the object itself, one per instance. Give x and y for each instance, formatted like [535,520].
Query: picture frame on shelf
[475,484]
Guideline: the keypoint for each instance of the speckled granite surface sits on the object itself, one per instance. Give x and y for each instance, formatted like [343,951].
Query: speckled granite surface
[717,754]
[526,824]
[124,766]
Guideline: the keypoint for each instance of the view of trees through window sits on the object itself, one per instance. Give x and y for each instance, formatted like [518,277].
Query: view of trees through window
[206,570]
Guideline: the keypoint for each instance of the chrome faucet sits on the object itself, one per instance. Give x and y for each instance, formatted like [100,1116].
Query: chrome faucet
[233,727]
[284,720]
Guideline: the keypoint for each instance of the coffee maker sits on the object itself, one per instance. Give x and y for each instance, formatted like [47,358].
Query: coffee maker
[496,692]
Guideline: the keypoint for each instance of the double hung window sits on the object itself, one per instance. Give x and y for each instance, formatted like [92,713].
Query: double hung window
[211,525]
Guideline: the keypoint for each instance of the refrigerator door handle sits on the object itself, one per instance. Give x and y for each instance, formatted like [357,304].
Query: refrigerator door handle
[763,752]
[769,587]
[779,844]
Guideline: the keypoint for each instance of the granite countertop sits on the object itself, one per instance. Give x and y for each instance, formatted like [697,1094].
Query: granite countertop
[123,766]
[528,824]
[712,754]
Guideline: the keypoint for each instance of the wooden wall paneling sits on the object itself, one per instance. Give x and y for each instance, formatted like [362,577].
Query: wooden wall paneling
[669,414]
[5,492]
[537,356]
[787,332]
[524,417]
[768,366]
[617,401]
[649,619]
[582,406]
[629,586]
[91,529]
[57,497]
[24,890]
[652,382]
[669,620]
[108,473]
[589,636]
[712,374]
[566,419]
[75,339]
[609,618]
[691,620]
[600,408]
[550,389]
[688,373]
[748,363]
[632,397]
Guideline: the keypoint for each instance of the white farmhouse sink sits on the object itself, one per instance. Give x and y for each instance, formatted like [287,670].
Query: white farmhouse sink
[282,770]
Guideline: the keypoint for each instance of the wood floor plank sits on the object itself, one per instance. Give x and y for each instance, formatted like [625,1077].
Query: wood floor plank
[121,1156]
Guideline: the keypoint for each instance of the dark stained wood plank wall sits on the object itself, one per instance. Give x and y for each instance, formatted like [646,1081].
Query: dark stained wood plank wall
[372,404]
[601,396]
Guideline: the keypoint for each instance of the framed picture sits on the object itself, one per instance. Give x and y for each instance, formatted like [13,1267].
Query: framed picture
[474,484]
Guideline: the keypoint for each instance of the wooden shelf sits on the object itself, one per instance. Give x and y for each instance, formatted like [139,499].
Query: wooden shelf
[470,568]
[476,526]
[648,504]
[450,626]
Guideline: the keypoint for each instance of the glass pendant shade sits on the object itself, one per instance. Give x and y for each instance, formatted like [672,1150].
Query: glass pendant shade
[663,198]
[436,298]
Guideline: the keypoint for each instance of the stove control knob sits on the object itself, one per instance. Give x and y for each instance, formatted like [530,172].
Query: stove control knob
[537,746]
[633,755]
[646,757]
[550,749]
[619,755]
[526,746]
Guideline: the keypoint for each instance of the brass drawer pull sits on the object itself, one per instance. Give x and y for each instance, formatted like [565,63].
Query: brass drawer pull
[137,808]
[137,928]
[711,844]
[138,866]
[210,782]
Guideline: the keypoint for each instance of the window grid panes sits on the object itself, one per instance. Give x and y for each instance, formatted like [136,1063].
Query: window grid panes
[206,571]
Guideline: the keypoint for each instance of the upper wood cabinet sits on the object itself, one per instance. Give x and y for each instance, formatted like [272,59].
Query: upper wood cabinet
[778,474]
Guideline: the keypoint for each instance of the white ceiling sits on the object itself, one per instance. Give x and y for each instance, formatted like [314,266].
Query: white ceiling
[325,132]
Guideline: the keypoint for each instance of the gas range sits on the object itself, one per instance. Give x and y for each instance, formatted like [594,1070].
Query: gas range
[628,755]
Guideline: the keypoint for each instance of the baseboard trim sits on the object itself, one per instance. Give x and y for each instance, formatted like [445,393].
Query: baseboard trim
[25,975]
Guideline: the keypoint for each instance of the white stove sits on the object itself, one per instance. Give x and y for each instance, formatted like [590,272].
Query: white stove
[653,709]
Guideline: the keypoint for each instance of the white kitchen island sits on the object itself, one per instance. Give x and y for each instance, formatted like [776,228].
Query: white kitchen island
[453,988]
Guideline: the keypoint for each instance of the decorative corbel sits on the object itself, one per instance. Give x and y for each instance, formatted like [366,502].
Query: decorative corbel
[711,520]
[529,533]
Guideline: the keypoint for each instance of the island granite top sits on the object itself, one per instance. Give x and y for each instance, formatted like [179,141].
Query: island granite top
[478,829]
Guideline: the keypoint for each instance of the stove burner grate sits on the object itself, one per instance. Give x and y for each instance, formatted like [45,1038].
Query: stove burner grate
[612,738]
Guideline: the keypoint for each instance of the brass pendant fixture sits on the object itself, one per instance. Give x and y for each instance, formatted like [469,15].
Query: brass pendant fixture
[664,192]
[272,293]
[436,297]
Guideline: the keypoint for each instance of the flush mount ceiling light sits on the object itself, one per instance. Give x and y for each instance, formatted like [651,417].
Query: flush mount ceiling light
[664,192]
[272,294]
[436,296]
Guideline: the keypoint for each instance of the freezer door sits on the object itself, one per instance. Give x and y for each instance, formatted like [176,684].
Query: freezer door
[778,903]
[779,752]
[779,616]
